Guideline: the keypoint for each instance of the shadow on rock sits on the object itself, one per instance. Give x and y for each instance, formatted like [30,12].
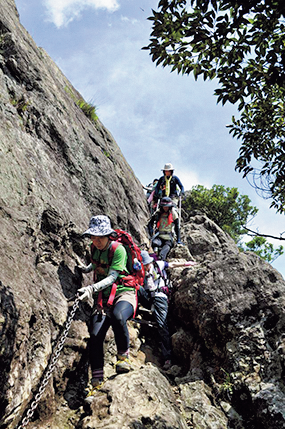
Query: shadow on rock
[70,282]
[8,326]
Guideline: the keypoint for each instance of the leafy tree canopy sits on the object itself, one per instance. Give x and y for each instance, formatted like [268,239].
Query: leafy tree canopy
[231,211]
[262,248]
[225,206]
[241,43]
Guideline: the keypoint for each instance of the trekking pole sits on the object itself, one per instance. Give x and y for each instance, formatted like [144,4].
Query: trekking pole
[179,210]
[51,366]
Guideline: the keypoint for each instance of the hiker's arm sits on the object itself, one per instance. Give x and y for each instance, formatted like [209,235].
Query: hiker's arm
[177,231]
[178,181]
[157,187]
[149,283]
[88,291]
[176,264]
[147,188]
[150,224]
[85,268]
[82,267]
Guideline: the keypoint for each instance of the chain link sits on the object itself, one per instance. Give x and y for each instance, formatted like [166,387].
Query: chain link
[51,366]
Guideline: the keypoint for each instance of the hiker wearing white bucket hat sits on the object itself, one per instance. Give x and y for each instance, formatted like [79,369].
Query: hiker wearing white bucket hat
[116,299]
[168,185]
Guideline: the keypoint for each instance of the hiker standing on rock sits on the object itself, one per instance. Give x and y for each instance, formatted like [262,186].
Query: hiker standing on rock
[160,228]
[154,296]
[168,185]
[107,273]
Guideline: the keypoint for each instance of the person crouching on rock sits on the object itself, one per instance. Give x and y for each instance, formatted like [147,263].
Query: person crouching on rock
[165,220]
[107,273]
[153,295]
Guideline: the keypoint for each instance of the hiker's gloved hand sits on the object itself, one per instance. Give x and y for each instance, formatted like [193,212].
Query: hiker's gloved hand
[85,268]
[82,267]
[87,292]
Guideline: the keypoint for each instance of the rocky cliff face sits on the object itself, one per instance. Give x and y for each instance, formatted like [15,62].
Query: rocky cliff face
[57,168]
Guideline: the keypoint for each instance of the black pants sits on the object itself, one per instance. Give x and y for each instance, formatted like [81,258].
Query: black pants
[99,326]
[160,304]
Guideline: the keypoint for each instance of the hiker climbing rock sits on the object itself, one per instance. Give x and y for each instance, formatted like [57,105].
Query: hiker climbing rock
[112,282]
[168,185]
[154,296]
[150,190]
[161,227]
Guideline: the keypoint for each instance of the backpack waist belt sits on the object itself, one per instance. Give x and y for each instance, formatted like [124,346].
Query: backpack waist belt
[127,281]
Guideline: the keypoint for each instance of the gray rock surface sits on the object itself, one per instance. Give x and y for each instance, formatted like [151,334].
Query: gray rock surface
[149,399]
[229,324]
[57,168]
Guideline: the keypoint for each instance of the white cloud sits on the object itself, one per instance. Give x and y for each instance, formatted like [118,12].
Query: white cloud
[126,19]
[62,12]
[191,178]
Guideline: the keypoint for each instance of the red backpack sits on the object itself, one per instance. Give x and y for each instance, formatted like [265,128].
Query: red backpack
[135,267]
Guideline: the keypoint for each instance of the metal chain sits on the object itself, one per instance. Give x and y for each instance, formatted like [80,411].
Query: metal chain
[51,365]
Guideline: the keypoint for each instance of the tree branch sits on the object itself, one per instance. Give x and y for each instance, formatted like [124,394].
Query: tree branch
[265,235]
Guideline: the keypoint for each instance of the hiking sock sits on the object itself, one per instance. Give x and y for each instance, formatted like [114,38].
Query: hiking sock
[124,353]
[97,375]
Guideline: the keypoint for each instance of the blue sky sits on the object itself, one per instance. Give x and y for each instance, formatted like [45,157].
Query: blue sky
[155,116]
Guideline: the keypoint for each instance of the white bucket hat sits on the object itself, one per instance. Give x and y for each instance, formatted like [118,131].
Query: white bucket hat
[100,226]
[168,167]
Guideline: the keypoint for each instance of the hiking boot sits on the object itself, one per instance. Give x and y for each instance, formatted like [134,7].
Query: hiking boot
[123,364]
[92,388]
[167,365]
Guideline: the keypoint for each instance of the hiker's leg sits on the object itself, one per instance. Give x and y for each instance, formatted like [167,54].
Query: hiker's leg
[98,328]
[166,247]
[160,314]
[122,311]
[143,298]
[156,243]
